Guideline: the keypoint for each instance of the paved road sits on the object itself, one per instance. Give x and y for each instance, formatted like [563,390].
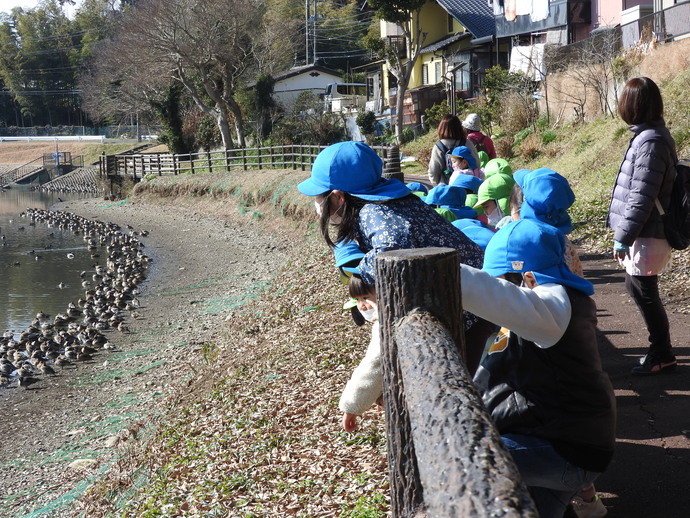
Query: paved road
[650,473]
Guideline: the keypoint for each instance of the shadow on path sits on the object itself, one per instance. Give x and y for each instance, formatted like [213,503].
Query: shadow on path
[650,473]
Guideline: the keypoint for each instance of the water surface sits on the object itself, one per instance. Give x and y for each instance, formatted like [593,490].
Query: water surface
[40,266]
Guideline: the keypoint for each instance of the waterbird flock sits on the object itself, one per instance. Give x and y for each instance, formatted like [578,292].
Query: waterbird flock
[76,335]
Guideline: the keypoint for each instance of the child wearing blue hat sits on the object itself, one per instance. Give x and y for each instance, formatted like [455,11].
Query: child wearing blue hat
[417,188]
[545,195]
[347,256]
[450,202]
[477,231]
[380,214]
[463,161]
[542,380]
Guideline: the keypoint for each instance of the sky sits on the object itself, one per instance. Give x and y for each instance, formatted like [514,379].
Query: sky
[7,5]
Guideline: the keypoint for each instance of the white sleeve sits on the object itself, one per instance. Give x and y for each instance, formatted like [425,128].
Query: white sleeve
[366,383]
[540,315]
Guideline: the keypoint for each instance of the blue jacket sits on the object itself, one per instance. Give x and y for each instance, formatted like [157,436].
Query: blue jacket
[645,174]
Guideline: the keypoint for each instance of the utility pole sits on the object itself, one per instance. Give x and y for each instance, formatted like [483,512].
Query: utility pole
[316,2]
[306,32]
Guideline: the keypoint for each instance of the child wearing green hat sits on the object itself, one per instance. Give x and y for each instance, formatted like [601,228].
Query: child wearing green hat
[493,197]
[365,386]
[542,381]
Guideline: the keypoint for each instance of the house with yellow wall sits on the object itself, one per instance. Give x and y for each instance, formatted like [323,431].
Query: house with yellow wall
[458,45]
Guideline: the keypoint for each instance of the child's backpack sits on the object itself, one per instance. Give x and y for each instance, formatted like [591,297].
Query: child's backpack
[677,218]
[478,144]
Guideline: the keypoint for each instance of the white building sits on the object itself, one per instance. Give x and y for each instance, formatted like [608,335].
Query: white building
[309,78]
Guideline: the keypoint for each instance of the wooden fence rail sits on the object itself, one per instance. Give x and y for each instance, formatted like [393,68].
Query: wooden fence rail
[445,457]
[137,166]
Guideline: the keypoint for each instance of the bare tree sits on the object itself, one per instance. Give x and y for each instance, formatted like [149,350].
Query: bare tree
[404,13]
[208,46]
[590,68]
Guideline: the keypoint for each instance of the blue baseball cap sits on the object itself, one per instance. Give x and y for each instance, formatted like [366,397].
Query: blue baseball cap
[529,245]
[354,168]
[477,231]
[446,196]
[347,251]
[467,181]
[466,153]
[417,187]
[547,196]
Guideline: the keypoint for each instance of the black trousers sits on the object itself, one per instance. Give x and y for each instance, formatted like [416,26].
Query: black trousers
[644,290]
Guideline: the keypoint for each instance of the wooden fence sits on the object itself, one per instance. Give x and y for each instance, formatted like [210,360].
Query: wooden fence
[137,166]
[445,457]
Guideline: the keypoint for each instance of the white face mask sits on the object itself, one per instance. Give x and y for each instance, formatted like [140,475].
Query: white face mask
[319,205]
[370,315]
[495,216]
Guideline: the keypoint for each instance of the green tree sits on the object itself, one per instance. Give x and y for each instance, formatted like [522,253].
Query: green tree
[405,14]
[260,106]
[35,63]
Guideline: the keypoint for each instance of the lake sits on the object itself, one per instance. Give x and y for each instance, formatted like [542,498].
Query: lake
[40,266]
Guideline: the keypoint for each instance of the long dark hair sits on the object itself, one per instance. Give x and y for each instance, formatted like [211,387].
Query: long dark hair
[350,215]
[641,102]
[450,127]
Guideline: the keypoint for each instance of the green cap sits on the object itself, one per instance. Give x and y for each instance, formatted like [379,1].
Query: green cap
[497,165]
[483,158]
[496,187]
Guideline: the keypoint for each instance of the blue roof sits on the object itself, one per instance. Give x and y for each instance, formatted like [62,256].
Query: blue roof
[475,15]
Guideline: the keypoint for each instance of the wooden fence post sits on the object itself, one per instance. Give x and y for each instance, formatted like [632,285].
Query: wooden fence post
[445,457]
[208,158]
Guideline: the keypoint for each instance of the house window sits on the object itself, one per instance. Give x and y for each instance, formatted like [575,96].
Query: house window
[425,74]
[450,24]
[437,72]
[463,80]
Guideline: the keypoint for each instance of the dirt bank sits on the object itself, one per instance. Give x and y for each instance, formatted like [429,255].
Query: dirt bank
[202,267]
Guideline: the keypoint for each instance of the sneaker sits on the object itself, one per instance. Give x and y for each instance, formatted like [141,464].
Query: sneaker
[653,366]
[593,509]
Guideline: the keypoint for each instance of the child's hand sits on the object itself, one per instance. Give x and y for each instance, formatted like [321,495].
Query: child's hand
[350,422]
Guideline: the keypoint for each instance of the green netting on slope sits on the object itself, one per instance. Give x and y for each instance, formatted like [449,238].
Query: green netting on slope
[114,374]
[118,204]
[184,289]
[219,305]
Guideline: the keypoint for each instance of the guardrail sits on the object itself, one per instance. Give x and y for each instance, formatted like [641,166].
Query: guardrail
[445,456]
[75,138]
[20,172]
